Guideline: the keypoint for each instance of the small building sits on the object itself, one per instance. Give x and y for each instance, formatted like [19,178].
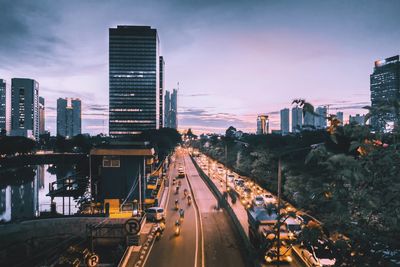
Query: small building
[119,171]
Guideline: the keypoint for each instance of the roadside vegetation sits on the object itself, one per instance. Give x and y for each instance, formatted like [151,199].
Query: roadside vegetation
[346,176]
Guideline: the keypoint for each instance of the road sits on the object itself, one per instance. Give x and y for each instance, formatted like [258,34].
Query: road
[207,237]
[219,180]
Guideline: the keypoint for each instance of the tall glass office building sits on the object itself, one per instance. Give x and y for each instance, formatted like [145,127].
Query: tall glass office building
[69,117]
[385,88]
[4,106]
[25,107]
[134,80]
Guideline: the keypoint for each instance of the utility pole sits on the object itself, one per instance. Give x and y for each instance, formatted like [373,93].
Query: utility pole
[279,209]
[226,168]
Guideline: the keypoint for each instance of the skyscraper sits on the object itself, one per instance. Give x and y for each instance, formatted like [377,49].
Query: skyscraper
[5,106]
[68,117]
[320,120]
[162,86]
[262,124]
[339,116]
[309,120]
[25,107]
[167,109]
[174,110]
[41,115]
[284,121]
[134,80]
[297,119]
[385,89]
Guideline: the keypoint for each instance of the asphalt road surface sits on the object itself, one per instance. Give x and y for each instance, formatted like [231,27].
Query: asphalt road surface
[207,237]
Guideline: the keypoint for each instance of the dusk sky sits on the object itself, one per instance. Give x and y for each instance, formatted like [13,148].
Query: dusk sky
[232,59]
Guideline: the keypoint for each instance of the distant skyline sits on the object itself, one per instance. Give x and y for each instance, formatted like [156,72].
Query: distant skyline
[233,60]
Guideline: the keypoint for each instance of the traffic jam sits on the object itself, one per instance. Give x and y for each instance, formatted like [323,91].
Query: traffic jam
[262,216]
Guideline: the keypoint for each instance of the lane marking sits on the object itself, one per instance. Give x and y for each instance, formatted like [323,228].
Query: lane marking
[198,217]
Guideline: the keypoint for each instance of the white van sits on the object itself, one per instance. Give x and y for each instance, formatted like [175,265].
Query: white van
[155,214]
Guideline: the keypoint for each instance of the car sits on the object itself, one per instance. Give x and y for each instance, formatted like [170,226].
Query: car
[155,214]
[247,192]
[258,201]
[319,255]
[268,198]
[285,255]
[293,226]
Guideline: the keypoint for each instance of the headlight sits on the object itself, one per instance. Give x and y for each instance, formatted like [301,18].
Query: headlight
[289,259]
[268,259]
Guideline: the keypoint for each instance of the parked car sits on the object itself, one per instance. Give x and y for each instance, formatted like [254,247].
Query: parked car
[320,255]
[155,214]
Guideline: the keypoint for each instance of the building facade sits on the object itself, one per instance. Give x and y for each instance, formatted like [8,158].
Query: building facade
[262,124]
[385,89]
[309,120]
[5,107]
[167,109]
[285,121]
[173,116]
[358,119]
[69,117]
[297,119]
[162,86]
[320,119]
[339,116]
[134,80]
[25,107]
[41,115]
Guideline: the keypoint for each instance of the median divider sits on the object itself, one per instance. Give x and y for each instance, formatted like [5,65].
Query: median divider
[249,251]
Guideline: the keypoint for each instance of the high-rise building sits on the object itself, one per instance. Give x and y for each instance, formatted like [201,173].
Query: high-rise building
[339,116]
[297,119]
[309,120]
[285,121]
[162,86]
[174,110]
[359,119]
[5,106]
[134,86]
[69,118]
[320,119]
[262,124]
[41,115]
[167,109]
[385,89]
[25,107]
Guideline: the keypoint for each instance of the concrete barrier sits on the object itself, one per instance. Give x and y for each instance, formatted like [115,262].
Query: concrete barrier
[249,251]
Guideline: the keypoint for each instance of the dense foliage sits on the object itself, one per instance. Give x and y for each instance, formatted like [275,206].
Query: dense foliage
[10,145]
[349,178]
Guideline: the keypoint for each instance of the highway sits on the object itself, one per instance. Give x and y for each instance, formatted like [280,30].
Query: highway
[219,180]
[207,237]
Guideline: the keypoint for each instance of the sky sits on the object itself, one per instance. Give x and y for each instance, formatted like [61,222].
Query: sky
[232,59]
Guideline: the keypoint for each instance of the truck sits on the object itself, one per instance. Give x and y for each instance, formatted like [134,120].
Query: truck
[263,235]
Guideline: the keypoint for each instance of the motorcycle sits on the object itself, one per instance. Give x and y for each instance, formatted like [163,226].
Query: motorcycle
[159,232]
[185,192]
[177,228]
[176,205]
[181,214]
[189,200]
